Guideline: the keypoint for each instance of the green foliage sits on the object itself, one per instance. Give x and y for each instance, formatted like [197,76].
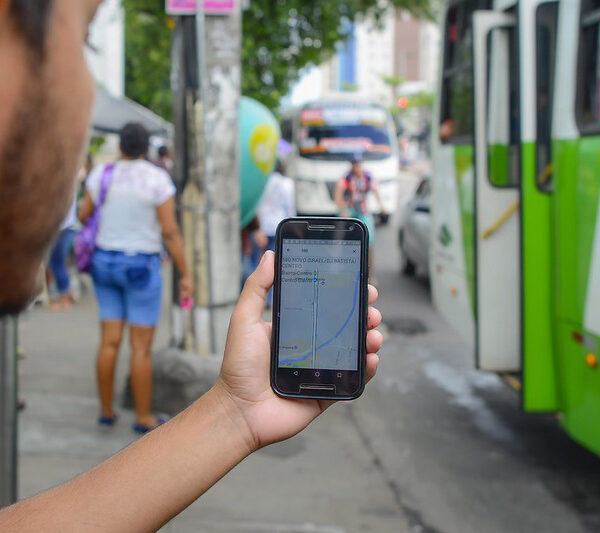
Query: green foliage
[280,38]
[147,55]
[96,144]
[393,81]
[422,99]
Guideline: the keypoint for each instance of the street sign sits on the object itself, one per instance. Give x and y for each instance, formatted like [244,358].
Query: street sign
[189,7]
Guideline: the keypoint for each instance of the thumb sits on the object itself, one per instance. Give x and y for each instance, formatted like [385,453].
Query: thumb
[254,295]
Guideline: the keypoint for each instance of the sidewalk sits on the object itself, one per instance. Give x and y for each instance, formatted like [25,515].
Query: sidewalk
[322,481]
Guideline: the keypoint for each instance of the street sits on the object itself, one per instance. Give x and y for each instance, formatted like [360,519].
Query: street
[432,446]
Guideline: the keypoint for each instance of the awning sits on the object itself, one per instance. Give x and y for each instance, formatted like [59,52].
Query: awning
[111,114]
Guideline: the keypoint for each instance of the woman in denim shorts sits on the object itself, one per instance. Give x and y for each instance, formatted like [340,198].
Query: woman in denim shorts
[137,214]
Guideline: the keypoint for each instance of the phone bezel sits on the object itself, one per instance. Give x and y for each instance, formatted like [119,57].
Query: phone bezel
[352,382]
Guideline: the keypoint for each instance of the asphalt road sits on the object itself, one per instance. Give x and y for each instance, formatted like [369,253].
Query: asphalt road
[456,450]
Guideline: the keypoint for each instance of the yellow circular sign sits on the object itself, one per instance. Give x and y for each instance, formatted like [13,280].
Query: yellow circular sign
[263,146]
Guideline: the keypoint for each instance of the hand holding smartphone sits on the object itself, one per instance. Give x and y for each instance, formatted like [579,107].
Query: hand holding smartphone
[319,329]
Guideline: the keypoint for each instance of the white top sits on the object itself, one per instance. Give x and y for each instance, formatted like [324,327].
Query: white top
[277,202]
[129,218]
[71,219]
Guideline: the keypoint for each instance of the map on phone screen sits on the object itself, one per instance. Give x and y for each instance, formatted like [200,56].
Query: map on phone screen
[319,307]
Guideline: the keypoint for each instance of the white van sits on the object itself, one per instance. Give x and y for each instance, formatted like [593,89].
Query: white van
[324,135]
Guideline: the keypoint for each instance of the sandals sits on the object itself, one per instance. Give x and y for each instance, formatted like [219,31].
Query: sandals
[108,421]
[142,429]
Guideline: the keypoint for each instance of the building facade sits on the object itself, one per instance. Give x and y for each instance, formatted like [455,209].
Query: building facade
[401,47]
[106,54]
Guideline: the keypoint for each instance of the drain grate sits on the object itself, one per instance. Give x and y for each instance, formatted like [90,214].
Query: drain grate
[406,325]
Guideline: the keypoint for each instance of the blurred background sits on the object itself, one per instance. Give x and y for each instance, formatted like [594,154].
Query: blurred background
[479,123]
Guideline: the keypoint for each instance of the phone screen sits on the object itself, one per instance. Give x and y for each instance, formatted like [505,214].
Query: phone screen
[319,304]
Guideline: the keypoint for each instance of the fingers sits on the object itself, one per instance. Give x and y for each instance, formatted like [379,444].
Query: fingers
[374,341]
[254,295]
[372,363]
[373,318]
[373,294]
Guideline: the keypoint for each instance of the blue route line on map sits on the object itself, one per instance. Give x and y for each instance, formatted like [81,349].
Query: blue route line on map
[339,332]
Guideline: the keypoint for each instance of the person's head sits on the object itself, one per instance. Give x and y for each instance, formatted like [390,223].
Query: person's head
[46,104]
[356,162]
[163,152]
[135,141]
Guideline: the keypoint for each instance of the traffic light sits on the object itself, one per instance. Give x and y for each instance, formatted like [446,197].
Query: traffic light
[403,102]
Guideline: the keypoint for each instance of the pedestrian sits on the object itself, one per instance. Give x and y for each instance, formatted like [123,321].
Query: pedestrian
[126,266]
[351,195]
[253,241]
[164,160]
[58,261]
[46,107]
[277,203]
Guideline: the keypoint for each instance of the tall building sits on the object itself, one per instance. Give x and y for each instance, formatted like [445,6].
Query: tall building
[401,47]
[106,55]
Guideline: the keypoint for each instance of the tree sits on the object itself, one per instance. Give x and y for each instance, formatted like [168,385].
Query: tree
[147,54]
[280,39]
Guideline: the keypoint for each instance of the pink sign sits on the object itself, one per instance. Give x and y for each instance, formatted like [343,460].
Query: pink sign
[211,7]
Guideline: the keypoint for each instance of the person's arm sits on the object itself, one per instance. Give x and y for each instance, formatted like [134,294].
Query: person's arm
[379,200]
[260,238]
[174,244]
[148,483]
[86,208]
[291,199]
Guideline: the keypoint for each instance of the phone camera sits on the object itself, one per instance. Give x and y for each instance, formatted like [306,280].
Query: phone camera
[351,227]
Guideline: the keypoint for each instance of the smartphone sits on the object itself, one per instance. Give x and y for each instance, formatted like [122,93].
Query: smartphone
[318,348]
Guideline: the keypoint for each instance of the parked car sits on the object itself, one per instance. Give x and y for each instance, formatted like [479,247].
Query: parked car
[414,232]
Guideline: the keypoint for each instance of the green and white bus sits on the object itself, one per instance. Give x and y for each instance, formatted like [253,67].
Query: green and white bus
[515,259]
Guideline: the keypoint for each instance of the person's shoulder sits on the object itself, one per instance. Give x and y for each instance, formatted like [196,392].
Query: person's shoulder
[95,174]
[153,170]
[287,182]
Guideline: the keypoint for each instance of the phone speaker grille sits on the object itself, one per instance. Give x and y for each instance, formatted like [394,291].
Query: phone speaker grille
[322,227]
[313,386]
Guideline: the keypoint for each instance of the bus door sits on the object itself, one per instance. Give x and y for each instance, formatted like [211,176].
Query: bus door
[497,177]
[538,29]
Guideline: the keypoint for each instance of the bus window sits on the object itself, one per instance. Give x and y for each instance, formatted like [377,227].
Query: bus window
[503,124]
[588,105]
[545,35]
[456,119]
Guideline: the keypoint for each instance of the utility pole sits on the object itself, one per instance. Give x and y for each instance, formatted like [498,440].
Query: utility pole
[207,138]
[8,411]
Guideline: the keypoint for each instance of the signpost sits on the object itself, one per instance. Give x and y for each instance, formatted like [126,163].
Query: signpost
[207,78]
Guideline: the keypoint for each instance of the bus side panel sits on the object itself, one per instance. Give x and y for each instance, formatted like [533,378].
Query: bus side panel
[452,265]
[581,390]
[463,163]
[577,194]
[498,158]
[539,362]
[577,182]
